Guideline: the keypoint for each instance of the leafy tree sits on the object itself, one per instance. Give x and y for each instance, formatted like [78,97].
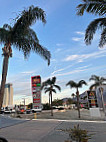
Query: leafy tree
[69,101]
[57,102]
[98,82]
[46,106]
[23,38]
[75,85]
[73,95]
[97,7]
[49,86]
[30,106]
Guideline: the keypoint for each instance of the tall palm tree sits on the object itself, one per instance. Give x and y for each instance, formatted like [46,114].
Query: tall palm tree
[49,86]
[22,37]
[98,82]
[78,85]
[97,7]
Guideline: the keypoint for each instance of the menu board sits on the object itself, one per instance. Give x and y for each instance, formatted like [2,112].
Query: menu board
[92,99]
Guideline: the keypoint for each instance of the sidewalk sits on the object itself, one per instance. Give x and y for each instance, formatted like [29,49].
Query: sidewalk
[64,115]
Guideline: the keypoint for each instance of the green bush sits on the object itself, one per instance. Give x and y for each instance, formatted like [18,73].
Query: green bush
[46,106]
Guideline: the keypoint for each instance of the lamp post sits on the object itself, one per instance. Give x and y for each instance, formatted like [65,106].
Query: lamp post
[24,103]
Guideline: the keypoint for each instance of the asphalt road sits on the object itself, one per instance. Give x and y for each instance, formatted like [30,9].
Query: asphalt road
[48,130]
[6,121]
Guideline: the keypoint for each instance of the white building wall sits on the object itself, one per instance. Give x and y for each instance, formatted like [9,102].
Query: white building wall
[8,95]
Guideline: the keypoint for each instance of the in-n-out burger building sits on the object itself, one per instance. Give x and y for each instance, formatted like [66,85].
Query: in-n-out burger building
[84,96]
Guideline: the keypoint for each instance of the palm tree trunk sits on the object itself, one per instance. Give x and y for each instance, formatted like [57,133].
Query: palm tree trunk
[101,91]
[78,105]
[51,106]
[3,81]
[49,99]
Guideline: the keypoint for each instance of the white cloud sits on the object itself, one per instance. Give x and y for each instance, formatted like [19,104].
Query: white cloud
[80,33]
[72,57]
[28,72]
[62,69]
[72,72]
[77,39]
[81,58]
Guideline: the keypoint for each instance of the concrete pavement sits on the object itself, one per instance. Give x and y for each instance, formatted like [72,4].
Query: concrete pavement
[29,131]
[50,130]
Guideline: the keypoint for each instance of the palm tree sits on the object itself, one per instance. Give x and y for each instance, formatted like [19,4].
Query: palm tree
[98,82]
[75,85]
[49,86]
[22,37]
[97,7]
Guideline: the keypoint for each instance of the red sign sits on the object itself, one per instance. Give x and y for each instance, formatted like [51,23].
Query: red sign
[36,91]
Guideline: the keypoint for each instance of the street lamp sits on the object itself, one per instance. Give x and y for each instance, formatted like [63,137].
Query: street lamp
[24,103]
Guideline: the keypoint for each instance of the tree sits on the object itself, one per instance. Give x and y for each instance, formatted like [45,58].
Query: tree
[49,86]
[97,7]
[73,95]
[69,101]
[30,105]
[22,37]
[75,85]
[98,82]
[57,102]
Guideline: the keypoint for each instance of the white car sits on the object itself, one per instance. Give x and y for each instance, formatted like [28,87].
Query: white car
[37,110]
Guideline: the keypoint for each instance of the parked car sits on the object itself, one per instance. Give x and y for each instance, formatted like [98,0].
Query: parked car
[28,111]
[7,111]
[22,110]
[13,111]
[2,111]
[36,110]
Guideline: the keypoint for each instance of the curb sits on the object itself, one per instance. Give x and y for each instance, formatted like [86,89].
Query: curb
[58,120]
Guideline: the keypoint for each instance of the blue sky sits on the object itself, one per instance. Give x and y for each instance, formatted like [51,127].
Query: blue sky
[63,36]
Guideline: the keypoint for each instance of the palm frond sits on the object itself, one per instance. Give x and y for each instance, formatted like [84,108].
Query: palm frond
[81,82]
[95,78]
[72,84]
[97,7]
[53,90]
[45,83]
[7,27]
[103,38]
[58,87]
[28,42]
[103,79]
[4,35]
[27,18]
[53,80]
[33,35]
[94,86]
[92,27]
[48,90]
